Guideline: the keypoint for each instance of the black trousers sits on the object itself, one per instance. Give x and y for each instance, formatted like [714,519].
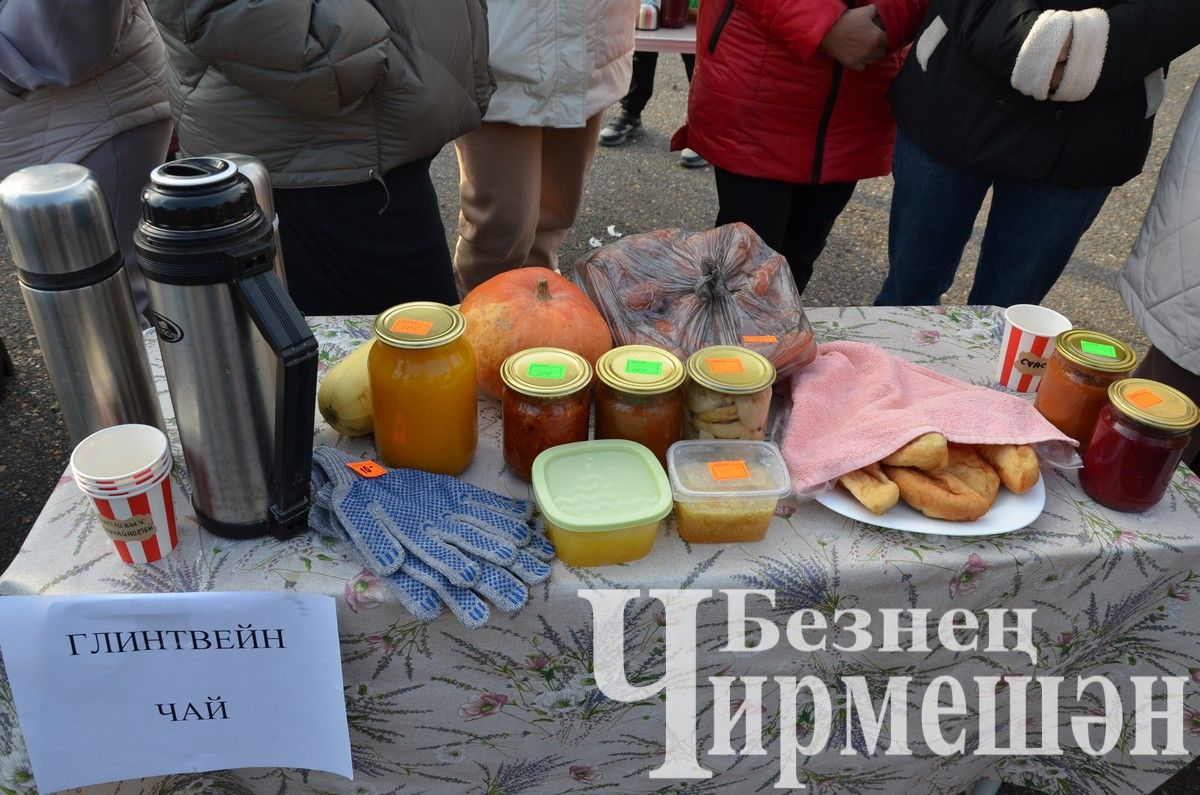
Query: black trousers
[791,218]
[359,249]
[641,84]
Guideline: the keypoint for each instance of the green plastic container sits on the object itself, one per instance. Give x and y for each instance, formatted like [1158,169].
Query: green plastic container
[603,500]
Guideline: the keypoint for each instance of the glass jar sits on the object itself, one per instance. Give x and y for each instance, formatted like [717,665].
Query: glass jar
[673,13]
[547,402]
[424,396]
[1137,444]
[729,394]
[1080,371]
[639,397]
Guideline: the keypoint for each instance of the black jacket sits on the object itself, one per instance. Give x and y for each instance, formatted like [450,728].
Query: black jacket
[961,106]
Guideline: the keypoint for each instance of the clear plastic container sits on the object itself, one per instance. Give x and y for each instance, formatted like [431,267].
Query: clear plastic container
[726,491]
[602,500]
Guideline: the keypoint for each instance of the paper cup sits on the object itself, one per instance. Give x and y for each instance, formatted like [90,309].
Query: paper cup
[125,471]
[1029,332]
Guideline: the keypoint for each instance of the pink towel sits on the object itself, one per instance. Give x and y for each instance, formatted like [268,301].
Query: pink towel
[857,403]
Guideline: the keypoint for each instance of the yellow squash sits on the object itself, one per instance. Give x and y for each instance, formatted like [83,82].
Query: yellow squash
[345,395]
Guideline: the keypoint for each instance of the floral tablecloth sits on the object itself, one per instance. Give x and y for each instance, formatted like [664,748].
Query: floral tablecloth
[513,708]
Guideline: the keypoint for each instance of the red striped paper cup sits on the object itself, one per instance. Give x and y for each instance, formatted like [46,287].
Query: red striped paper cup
[141,525]
[1029,332]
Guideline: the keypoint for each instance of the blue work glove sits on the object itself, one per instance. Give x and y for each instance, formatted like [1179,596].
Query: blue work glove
[432,538]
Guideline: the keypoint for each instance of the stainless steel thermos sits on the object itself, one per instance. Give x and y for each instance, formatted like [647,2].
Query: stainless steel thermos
[240,361]
[75,287]
[260,178]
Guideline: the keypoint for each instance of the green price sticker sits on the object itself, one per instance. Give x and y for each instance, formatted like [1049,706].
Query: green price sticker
[1098,349]
[547,371]
[642,367]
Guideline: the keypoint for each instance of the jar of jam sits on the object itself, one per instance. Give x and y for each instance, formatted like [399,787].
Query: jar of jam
[1137,444]
[639,397]
[547,402]
[423,390]
[729,394]
[1075,387]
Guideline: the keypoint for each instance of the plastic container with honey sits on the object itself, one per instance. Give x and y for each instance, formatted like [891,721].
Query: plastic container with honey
[639,397]
[1075,387]
[547,402]
[424,396]
[728,394]
[726,491]
[602,500]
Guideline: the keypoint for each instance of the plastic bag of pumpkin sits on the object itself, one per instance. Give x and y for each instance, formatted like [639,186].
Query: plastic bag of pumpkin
[684,291]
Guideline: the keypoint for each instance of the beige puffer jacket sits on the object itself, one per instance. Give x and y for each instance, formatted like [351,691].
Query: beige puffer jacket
[61,98]
[325,93]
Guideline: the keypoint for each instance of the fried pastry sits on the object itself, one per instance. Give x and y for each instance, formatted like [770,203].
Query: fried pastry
[939,494]
[970,468]
[1016,463]
[928,451]
[872,488]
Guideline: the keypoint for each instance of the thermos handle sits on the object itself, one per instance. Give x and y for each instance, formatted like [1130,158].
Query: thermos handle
[284,329]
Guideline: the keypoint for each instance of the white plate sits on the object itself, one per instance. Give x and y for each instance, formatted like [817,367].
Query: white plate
[1010,512]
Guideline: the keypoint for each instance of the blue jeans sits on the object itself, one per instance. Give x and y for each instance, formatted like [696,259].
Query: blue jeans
[1032,230]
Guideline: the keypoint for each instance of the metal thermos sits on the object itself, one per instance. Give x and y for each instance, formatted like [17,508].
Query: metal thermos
[260,178]
[240,361]
[74,284]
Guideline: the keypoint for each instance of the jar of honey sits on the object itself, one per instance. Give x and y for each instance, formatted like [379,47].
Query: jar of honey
[639,397]
[729,394]
[547,402]
[423,389]
[1075,387]
[1137,444]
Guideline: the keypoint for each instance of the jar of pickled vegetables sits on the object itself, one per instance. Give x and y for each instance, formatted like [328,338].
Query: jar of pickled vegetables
[1137,444]
[423,390]
[1075,387]
[639,397]
[547,402]
[729,394]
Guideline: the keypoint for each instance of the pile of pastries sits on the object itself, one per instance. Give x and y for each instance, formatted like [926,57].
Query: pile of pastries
[955,482]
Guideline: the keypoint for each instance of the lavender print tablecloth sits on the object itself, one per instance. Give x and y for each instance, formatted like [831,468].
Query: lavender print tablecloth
[512,708]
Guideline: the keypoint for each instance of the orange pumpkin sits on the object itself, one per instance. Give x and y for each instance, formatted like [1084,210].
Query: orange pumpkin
[530,308]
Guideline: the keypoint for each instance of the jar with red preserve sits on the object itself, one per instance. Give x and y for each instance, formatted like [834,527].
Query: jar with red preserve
[547,402]
[1075,387]
[1137,444]
[639,397]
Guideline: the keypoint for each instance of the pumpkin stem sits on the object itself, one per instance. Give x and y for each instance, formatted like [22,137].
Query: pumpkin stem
[542,293]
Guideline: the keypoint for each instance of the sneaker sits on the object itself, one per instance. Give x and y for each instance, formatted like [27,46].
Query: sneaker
[621,129]
[688,158]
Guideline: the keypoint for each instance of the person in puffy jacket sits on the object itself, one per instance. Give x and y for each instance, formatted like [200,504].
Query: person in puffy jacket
[346,103]
[1050,103]
[1160,282]
[557,66]
[85,83]
[788,104]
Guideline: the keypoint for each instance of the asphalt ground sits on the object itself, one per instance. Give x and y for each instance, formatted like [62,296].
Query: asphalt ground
[634,188]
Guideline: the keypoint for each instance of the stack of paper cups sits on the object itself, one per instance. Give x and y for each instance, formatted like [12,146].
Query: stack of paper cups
[1029,332]
[126,472]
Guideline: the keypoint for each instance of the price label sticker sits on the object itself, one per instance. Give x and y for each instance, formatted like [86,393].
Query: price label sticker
[368,469]
[1098,349]
[729,470]
[751,339]
[725,365]
[408,325]
[1144,399]
[546,372]
[643,367]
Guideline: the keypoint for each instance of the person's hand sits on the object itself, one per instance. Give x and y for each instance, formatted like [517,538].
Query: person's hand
[857,39]
[1061,67]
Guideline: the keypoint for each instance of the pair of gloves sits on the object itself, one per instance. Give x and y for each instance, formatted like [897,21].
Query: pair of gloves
[433,539]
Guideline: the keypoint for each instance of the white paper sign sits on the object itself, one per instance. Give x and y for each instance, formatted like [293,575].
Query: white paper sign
[116,687]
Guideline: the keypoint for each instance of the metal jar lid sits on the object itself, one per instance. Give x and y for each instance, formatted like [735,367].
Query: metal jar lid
[640,370]
[546,372]
[1155,405]
[419,324]
[1095,351]
[730,369]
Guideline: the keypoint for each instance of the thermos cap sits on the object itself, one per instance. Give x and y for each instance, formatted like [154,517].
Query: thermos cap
[58,226]
[259,177]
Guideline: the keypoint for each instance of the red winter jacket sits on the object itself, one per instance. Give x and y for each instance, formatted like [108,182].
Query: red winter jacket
[765,103]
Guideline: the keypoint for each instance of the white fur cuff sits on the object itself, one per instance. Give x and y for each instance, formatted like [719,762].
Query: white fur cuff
[1089,42]
[1039,53]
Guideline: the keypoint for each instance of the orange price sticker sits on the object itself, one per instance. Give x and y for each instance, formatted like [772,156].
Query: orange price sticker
[408,325]
[725,365]
[750,339]
[368,469]
[728,470]
[1144,399]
